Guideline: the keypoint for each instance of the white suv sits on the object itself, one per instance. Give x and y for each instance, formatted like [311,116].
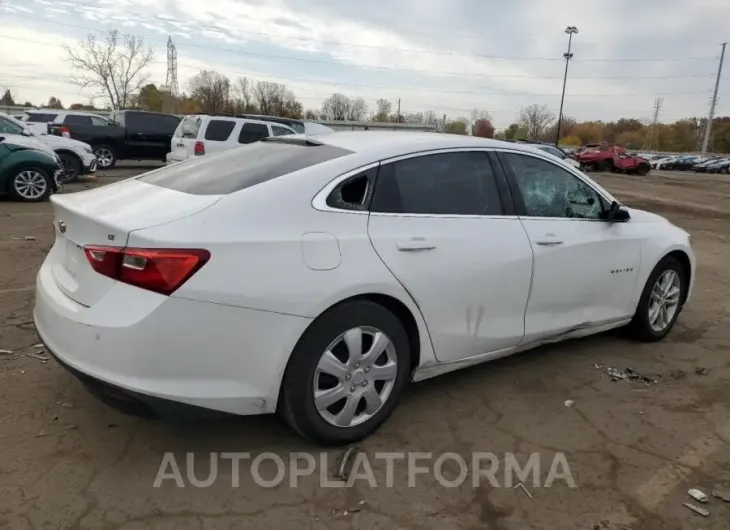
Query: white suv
[76,157]
[38,120]
[201,134]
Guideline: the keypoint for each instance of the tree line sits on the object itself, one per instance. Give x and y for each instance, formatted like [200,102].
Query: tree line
[114,67]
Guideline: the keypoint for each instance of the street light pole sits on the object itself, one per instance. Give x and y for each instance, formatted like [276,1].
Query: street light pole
[568,56]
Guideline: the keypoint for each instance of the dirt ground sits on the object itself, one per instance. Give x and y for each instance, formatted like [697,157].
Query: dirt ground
[633,448]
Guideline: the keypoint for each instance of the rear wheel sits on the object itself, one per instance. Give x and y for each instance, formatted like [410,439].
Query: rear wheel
[642,169]
[71,168]
[105,156]
[661,301]
[606,165]
[30,184]
[346,374]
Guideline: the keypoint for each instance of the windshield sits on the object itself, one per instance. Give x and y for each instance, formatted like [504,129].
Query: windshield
[10,125]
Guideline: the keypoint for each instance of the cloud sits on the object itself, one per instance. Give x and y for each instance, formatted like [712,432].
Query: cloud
[431,54]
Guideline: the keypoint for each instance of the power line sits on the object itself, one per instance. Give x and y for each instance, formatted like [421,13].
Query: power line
[426,52]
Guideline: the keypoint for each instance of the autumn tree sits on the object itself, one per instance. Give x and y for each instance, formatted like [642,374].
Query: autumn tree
[276,99]
[483,128]
[150,98]
[212,90]
[54,103]
[113,66]
[535,120]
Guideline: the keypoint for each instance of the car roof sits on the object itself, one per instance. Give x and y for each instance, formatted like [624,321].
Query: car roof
[393,142]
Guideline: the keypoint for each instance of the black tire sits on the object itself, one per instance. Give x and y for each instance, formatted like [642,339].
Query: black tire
[14,194]
[101,151]
[640,328]
[642,169]
[606,165]
[72,168]
[296,402]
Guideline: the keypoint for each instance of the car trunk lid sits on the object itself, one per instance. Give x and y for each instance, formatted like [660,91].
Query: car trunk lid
[106,216]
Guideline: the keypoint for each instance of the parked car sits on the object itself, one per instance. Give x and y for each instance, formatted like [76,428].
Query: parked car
[606,157]
[27,174]
[683,163]
[300,126]
[719,166]
[39,120]
[559,153]
[317,276]
[201,134]
[77,157]
[702,167]
[131,134]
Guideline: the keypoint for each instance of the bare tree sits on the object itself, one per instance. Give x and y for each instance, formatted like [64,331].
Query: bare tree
[336,107]
[480,114]
[383,109]
[430,118]
[535,120]
[212,90]
[114,65]
[244,90]
[276,99]
[357,109]
[54,103]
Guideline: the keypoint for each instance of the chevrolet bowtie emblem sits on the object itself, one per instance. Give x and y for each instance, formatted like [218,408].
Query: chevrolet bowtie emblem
[62,227]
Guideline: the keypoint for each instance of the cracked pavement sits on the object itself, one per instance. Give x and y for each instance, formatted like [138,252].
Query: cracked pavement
[69,462]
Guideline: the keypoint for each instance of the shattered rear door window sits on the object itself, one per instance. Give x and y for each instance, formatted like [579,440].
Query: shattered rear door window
[550,191]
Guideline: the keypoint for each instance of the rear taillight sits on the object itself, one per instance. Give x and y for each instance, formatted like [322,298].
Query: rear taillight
[65,131]
[155,269]
[199,148]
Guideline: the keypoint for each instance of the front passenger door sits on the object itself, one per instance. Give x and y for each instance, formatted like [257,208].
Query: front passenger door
[438,224]
[585,268]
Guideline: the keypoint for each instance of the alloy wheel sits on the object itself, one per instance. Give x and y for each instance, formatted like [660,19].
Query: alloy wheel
[30,184]
[104,157]
[664,300]
[355,376]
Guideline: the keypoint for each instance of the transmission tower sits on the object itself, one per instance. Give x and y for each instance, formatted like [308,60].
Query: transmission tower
[653,137]
[708,128]
[171,81]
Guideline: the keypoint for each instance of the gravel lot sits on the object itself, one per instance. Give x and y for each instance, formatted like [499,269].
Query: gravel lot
[634,449]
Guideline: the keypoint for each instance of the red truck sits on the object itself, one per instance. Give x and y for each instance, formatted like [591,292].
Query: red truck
[607,157]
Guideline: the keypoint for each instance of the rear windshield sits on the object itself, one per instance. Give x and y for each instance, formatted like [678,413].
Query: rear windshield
[40,117]
[230,171]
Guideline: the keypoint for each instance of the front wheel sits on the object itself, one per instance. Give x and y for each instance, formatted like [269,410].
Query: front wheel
[346,374]
[660,302]
[606,165]
[71,168]
[642,170]
[30,184]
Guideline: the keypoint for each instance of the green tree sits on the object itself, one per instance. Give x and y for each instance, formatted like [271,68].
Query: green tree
[457,126]
[54,103]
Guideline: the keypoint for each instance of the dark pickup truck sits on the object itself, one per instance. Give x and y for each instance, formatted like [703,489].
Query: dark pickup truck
[130,135]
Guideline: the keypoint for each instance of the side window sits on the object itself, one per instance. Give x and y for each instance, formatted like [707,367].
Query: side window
[459,183]
[252,132]
[96,120]
[219,130]
[77,119]
[40,117]
[280,131]
[550,191]
[354,193]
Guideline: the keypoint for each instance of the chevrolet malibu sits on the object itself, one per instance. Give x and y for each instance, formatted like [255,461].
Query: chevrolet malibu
[317,276]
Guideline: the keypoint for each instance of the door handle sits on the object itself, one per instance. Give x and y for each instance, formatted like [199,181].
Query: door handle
[548,239]
[416,244]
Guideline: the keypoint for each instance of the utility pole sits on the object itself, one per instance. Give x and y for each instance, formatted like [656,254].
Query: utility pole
[398,118]
[443,124]
[568,56]
[708,127]
[653,135]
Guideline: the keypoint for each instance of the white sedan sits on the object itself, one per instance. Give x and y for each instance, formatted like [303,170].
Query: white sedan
[317,276]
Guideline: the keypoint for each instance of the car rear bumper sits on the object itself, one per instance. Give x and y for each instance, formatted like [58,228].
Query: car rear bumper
[159,352]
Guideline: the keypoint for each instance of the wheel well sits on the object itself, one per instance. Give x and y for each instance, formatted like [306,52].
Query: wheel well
[683,260]
[68,152]
[403,314]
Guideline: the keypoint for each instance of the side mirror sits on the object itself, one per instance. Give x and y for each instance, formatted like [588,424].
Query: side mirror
[26,132]
[617,213]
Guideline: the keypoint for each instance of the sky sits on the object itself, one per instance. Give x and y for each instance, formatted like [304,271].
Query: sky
[449,56]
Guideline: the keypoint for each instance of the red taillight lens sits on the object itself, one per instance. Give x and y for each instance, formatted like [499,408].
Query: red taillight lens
[155,269]
[65,132]
[199,148]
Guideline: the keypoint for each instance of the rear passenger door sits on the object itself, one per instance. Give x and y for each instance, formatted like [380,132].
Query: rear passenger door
[252,132]
[443,223]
